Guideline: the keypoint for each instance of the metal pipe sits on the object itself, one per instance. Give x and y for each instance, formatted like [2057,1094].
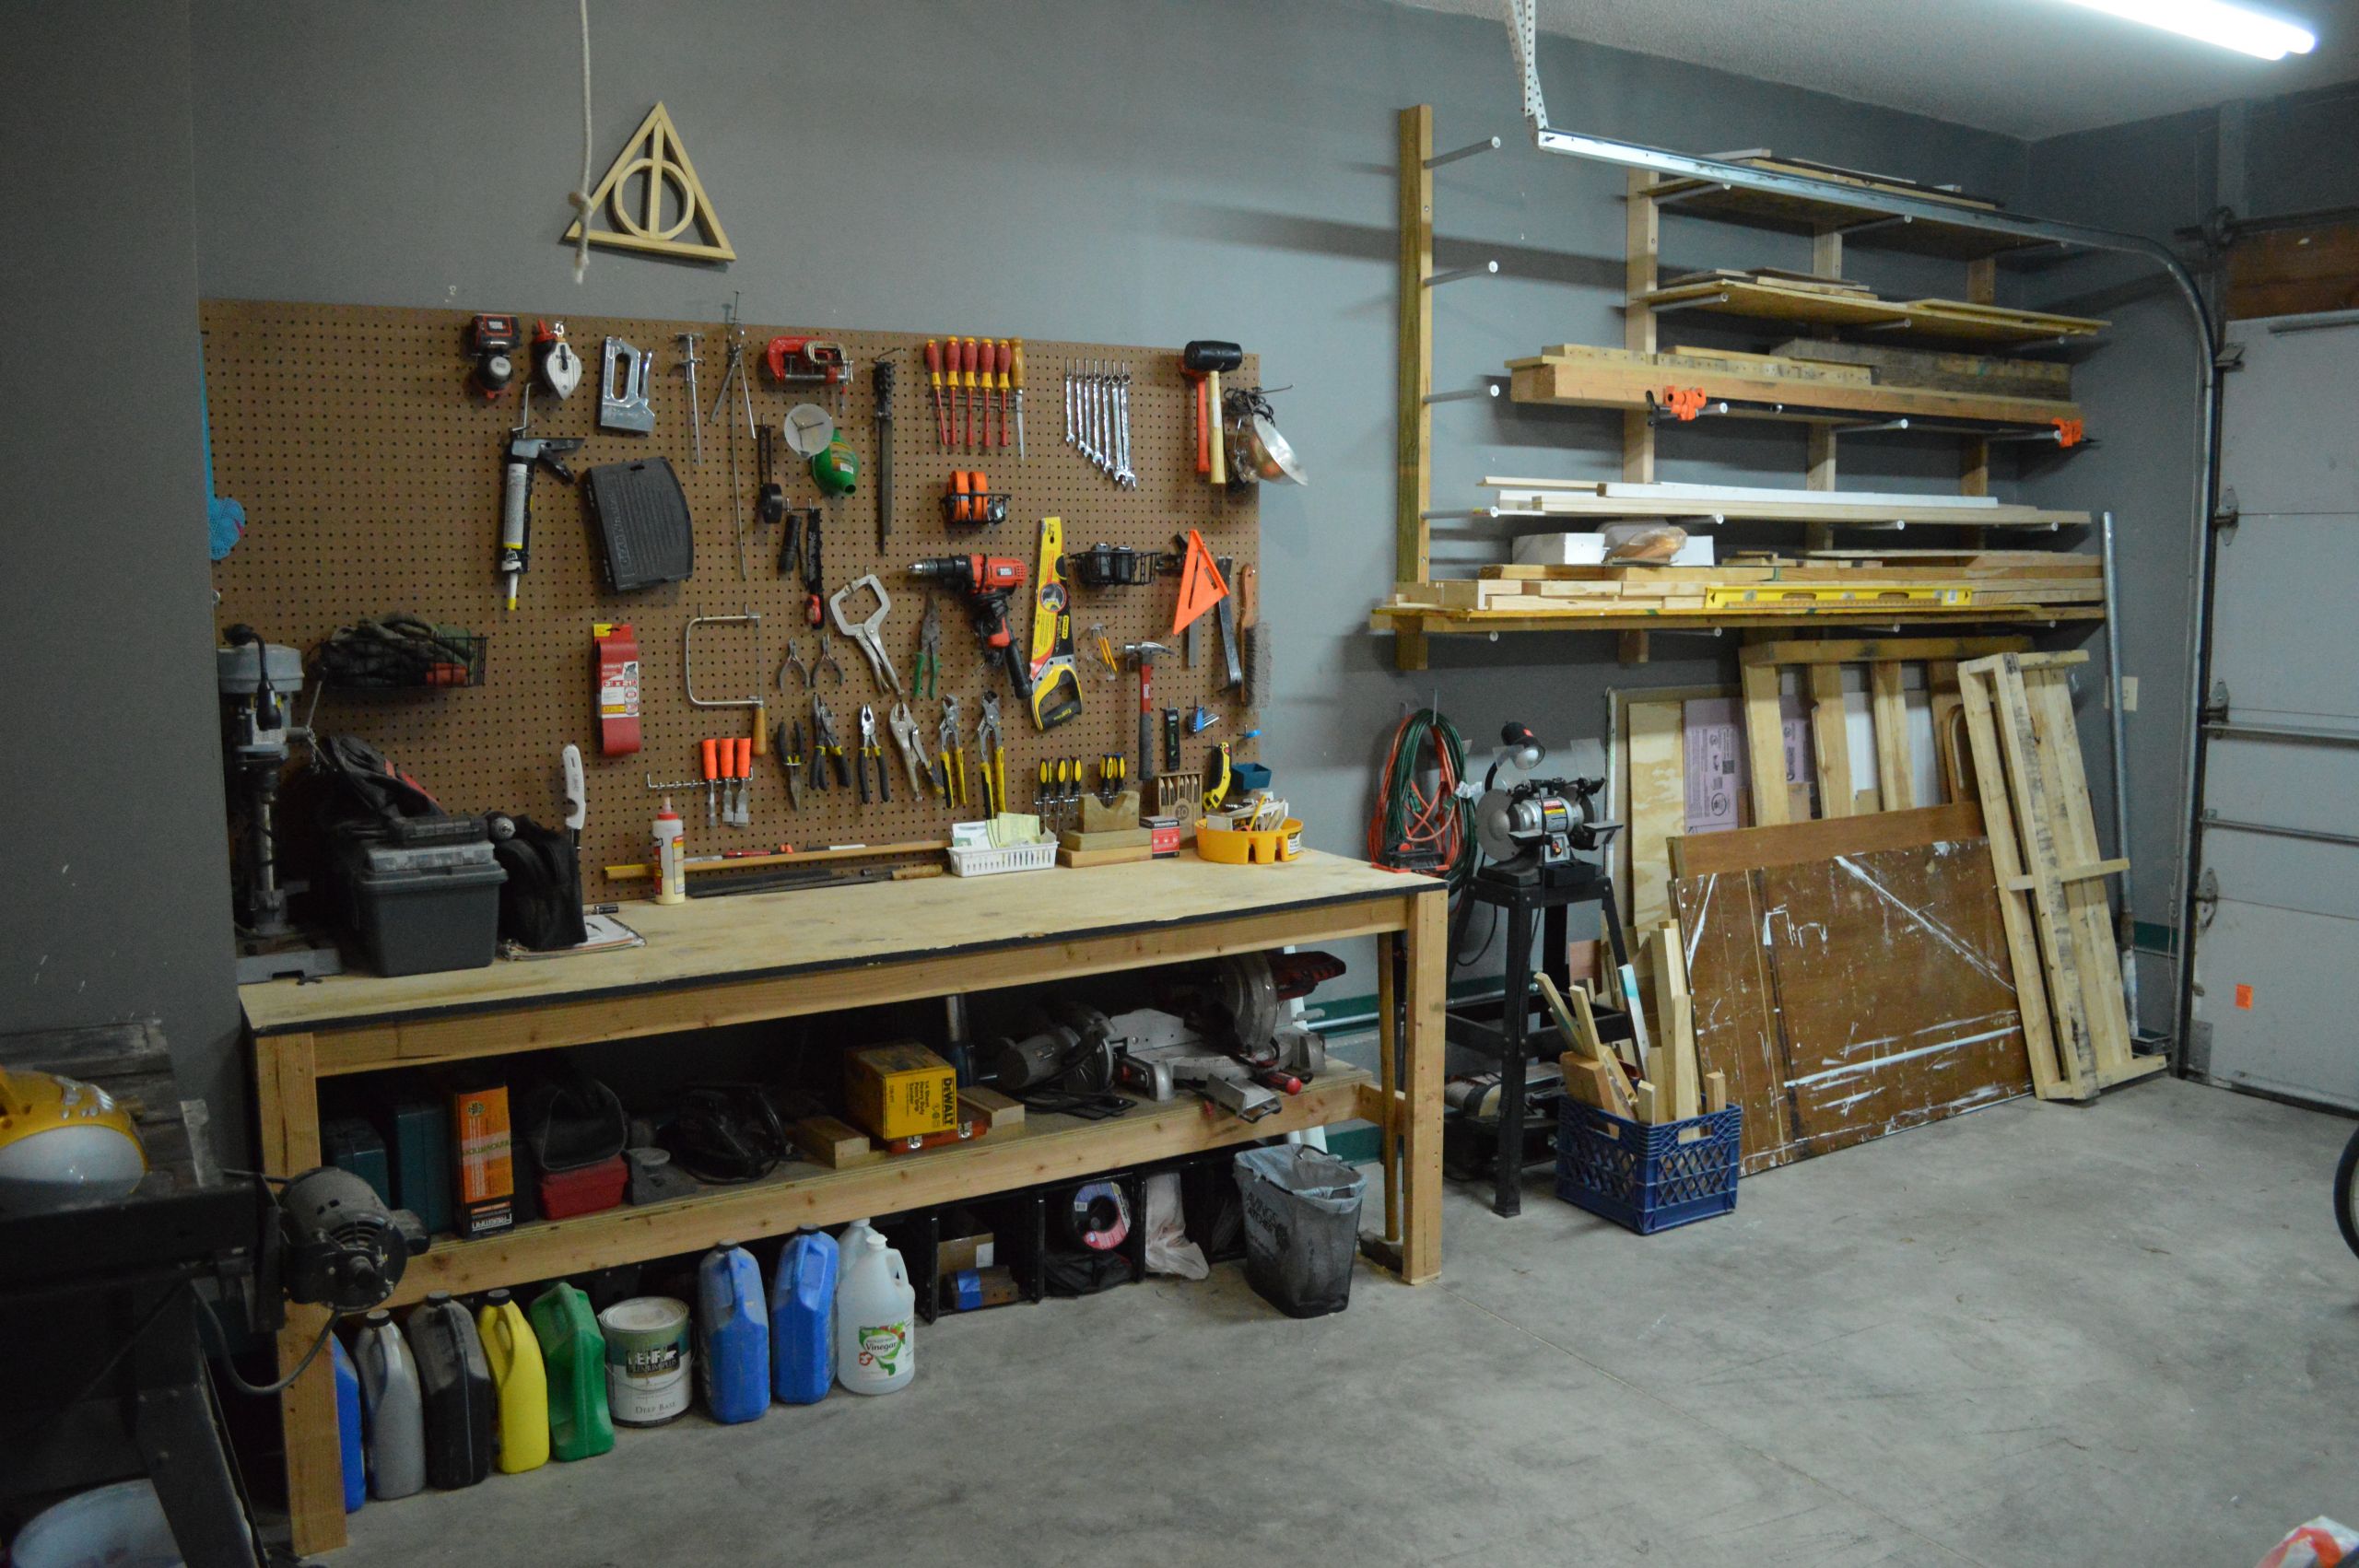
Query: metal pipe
[2126,923]
[1437,279]
[1471,149]
[2276,830]
[1469,395]
[2289,732]
[1522,34]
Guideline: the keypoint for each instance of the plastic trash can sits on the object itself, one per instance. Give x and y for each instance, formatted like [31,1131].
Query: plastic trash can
[1302,1227]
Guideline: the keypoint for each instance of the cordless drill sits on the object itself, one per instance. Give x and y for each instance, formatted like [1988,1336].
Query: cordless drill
[986,581]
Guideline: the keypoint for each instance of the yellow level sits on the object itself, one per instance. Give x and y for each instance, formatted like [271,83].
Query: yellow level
[1738,597]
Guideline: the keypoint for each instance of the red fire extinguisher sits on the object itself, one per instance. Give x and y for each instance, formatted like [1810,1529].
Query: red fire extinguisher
[617,647]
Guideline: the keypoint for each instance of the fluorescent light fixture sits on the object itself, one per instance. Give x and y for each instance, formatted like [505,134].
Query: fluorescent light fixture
[2230,25]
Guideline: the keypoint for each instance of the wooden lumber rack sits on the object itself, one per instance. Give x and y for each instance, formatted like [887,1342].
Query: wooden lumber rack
[766,956]
[1654,389]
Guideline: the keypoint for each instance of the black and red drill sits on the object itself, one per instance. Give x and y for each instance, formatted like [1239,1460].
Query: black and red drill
[986,582]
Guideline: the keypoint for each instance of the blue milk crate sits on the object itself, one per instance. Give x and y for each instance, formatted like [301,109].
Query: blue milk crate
[1643,1177]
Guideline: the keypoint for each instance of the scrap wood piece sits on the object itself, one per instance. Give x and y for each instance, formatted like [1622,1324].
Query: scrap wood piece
[1845,998]
[1748,848]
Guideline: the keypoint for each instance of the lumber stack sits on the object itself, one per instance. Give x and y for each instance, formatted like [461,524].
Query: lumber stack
[2051,894]
[1579,376]
[1955,582]
[1660,1078]
[1765,295]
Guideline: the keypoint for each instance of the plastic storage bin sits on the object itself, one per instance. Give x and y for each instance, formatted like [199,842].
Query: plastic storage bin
[1302,1227]
[425,902]
[1648,1178]
[1014,857]
[1242,847]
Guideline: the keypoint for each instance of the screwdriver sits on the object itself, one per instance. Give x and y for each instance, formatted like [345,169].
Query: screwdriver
[934,384]
[1005,358]
[711,749]
[974,362]
[1015,377]
[954,357]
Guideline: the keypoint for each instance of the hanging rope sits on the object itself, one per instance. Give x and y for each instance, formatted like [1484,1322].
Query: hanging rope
[581,196]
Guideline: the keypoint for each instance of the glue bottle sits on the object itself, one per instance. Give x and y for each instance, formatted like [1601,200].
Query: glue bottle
[671,862]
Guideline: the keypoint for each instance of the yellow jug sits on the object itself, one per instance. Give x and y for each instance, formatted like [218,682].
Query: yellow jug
[514,1352]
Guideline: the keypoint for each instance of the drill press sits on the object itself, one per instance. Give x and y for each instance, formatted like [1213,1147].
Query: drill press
[258,681]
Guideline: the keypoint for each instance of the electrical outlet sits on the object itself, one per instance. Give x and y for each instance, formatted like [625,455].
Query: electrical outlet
[2129,694]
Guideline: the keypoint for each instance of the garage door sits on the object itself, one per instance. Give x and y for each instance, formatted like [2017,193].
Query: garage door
[2277,942]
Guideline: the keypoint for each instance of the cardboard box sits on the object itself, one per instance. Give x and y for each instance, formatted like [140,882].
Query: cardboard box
[486,1159]
[952,1254]
[901,1091]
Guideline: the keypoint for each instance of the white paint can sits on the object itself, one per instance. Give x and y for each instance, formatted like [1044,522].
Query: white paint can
[647,1360]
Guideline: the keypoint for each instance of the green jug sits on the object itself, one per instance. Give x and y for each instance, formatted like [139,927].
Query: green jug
[575,1352]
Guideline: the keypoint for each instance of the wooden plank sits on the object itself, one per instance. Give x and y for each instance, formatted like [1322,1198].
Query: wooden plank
[1641,616]
[1765,741]
[2023,781]
[1414,421]
[1387,1051]
[1930,511]
[2048,1081]
[1750,848]
[1888,707]
[1642,248]
[288,1120]
[2294,272]
[1830,735]
[1656,754]
[2083,870]
[1680,361]
[1858,650]
[1051,1148]
[1859,375]
[808,930]
[1428,940]
[1959,318]
[1681,1078]
[1941,371]
[1591,383]
[1735,1010]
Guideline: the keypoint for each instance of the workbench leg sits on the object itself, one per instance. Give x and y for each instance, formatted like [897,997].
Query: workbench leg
[287,1092]
[1388,1047]
[1428,944]
[1507,1163]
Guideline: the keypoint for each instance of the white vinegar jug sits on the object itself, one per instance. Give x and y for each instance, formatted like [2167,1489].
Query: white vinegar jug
[875,1320]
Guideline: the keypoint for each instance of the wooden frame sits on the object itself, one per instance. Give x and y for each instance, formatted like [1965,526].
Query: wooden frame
[703,966]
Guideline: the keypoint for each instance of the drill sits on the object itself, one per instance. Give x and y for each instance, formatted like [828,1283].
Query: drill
[986,581]
[526,453]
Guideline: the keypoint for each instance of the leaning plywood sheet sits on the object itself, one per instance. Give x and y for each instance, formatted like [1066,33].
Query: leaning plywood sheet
[1855,996]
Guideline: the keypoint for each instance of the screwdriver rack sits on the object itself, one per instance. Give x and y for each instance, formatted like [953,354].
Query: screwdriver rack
[371,481]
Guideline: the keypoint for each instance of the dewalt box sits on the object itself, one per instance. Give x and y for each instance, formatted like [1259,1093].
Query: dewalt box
[901,1091]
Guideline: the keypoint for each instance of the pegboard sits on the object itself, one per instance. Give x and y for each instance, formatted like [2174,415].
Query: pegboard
[371,479]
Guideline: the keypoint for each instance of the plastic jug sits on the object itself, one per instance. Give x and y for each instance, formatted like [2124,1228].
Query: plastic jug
[456,1380]
[573,1354]
[733,1334]
[347,1428]
[397,1418]
[521,1380]
[802,1302]
[876,1316]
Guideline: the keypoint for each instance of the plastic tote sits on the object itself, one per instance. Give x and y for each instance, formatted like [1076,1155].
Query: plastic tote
[803,1300]
[1648,1178]
[1302,1227]
[733,1334]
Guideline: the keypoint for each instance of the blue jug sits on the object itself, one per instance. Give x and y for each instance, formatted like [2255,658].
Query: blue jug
[733,1336]
[347,1428]
[802,1307]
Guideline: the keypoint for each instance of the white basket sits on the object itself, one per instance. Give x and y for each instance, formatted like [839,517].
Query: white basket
[988,861]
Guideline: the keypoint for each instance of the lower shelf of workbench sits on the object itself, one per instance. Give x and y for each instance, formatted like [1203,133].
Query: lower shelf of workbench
[1042,1148]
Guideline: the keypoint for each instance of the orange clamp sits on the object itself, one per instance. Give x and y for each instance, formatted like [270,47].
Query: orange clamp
[1684,402]
[2069,432]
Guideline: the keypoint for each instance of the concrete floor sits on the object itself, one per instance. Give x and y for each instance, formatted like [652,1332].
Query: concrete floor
[2037,1335]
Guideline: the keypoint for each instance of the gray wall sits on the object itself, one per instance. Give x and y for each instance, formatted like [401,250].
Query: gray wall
[114,895]
[1134,171]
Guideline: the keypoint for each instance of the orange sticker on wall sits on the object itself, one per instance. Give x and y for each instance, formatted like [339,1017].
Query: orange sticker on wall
[2244,997]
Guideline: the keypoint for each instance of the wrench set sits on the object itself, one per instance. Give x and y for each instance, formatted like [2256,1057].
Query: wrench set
[1098,416]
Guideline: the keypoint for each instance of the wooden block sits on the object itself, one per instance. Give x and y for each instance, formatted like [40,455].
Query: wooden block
[1856,651]
[989,1110]
[1716,1092]
[838,1145]
[1644,1103]
[1082,858]
[1097,816]
[1765,743]
[1567,1025]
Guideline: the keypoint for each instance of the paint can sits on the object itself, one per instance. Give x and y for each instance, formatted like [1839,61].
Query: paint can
[647,1360]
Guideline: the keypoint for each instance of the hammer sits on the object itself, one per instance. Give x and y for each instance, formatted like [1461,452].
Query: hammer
[1203,360]
[1143,655]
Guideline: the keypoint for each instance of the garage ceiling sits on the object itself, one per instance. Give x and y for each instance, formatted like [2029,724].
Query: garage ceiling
[2025,68]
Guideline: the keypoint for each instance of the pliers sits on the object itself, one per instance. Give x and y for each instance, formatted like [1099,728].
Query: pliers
[870,752]
[905,735]
[994,755]
[926,679]
[789,759]
[825,747]
[950,765]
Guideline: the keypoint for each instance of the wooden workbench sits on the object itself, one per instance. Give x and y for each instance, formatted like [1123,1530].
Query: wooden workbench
[784,955]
